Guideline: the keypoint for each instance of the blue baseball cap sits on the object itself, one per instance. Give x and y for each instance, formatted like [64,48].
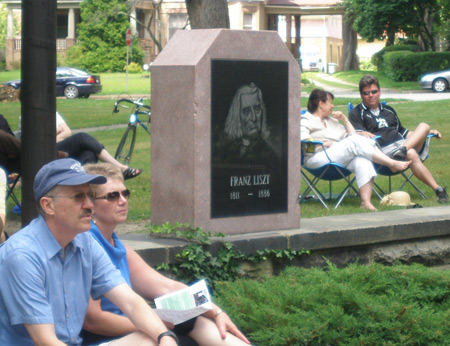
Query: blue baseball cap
[66,172]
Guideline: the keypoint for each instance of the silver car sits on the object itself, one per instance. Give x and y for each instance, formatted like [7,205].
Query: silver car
[438,81]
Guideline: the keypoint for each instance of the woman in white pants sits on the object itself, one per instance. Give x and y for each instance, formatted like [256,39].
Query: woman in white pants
[343,145]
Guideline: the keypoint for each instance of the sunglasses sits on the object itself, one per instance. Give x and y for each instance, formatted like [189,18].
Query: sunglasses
[115,195]
[373,92]
[79,197]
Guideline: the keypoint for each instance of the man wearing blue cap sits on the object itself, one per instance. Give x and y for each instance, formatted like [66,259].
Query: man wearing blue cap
[50,268]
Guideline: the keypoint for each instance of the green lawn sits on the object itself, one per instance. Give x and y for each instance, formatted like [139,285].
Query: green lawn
[355,76]
[113,83]
[84,113]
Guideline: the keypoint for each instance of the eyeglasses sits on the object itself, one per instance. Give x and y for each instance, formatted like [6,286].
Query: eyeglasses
[115,195]
[373,92]
[78,197]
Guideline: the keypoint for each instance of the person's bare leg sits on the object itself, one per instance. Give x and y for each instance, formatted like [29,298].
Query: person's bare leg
[365,192]
[135,339]
[107,157]
[205,333]
[420,171]
[417,138]
[394,165]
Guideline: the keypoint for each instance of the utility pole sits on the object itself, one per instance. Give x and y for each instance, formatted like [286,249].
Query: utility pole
[38,95]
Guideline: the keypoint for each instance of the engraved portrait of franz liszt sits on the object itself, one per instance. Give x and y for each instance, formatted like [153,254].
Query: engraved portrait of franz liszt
[246,123]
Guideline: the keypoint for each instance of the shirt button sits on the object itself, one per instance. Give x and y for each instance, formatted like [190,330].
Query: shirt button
[67,315]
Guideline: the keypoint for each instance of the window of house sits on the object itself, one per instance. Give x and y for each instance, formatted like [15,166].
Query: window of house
[62,25]
[140,26]
[177,21]
[248,21]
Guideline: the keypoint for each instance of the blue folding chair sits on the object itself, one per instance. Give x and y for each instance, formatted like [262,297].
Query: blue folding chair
[330,172]
[11,184]
[385,171]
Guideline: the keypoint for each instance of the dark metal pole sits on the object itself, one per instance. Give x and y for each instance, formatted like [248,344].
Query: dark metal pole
[38,95]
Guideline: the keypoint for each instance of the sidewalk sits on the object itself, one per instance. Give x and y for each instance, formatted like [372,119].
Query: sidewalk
[421,234]
[348,91]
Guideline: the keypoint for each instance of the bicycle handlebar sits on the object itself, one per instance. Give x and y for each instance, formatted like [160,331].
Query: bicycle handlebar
[137,104]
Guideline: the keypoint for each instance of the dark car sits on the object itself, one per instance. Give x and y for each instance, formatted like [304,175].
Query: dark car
[70,82]
[438,81]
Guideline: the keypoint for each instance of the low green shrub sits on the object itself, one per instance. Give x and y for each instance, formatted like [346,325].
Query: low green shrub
[103,59]
[358,305]
[408,66]
[133,67]
[378,57]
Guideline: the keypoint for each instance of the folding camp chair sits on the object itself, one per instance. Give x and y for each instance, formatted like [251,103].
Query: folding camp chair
[330,172]
[385,171]
[12,181]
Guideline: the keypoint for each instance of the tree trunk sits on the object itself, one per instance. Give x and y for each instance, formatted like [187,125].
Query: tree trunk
[208,14]
[349,59]
[155,11]
[390,39]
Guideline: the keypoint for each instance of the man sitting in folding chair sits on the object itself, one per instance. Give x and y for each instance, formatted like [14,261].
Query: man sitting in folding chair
[342,144]
[370,118]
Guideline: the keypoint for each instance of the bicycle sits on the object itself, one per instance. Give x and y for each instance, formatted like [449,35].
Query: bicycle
[126,144]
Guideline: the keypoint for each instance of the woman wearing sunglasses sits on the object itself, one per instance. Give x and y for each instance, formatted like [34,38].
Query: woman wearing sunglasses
[342,144]
[104,321]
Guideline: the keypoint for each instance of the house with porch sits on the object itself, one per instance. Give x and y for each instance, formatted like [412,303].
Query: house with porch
[316,24]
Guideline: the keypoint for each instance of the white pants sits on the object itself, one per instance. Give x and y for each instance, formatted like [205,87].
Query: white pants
[353,152]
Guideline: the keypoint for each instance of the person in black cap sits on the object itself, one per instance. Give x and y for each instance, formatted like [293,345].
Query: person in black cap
[51,267]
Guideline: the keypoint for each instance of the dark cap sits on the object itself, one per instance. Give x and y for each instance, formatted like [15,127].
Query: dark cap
[66,172]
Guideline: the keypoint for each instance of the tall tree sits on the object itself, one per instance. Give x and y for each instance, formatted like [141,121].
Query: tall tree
[150,25]
[208,14]
[349,58]
[101,36]
[444,21]
[375,19]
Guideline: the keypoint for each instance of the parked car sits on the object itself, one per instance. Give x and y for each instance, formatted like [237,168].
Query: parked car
[438,81]
[70,82]
[310,59]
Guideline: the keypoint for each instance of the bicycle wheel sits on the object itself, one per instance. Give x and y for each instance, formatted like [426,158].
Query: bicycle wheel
[126,145]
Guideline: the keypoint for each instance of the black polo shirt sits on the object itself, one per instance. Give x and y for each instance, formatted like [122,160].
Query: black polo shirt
[386,124]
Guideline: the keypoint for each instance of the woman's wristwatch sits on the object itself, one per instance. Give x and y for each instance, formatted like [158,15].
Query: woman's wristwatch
[167,333]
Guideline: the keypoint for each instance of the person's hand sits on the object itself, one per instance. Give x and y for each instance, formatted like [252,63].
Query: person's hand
[366,134]
[224,324]
[327,144]
[339,116]
[436,132]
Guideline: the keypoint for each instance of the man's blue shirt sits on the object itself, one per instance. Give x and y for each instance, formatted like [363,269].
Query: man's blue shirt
[39,286]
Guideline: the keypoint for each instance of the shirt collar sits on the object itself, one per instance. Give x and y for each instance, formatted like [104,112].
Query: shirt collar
[380,106]
[52,246]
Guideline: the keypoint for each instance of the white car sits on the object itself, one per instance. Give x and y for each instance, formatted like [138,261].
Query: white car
[438,81]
